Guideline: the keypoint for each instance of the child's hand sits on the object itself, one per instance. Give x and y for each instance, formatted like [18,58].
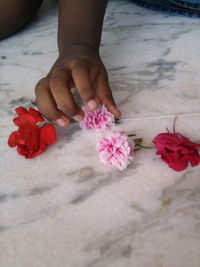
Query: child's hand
[81,67]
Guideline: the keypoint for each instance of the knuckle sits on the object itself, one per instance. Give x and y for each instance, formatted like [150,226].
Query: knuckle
[36,90]
[70,110]
[49,113]
[87,94]
[55,83]
[87,91]
[108,99]
[52,114]
[79,63]
[81,66]
[40,85]
[37,102]
[108,91]
[109,95]
[73,110]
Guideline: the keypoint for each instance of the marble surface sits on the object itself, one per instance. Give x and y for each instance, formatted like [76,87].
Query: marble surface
[65,209]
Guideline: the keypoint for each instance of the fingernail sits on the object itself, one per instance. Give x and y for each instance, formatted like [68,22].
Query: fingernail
[92,104]
[61,122]
[78,117]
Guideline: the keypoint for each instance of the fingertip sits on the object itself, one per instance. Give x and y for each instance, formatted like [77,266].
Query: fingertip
[115,111]
[78,117]
[92,104]
[62,122]
[118,113]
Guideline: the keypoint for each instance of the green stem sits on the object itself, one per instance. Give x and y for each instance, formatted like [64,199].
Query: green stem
[146,147]
[138,140]
[136,149]
[129,135]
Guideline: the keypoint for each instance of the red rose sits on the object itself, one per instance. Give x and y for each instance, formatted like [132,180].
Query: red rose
[30,139]
[177,150]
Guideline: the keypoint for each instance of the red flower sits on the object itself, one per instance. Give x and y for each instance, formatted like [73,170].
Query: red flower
[177,150]
[27,117]
[30,139]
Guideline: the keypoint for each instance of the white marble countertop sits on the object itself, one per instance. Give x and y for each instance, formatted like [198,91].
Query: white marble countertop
[65,209]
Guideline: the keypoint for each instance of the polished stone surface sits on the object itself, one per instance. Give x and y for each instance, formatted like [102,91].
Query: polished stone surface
[65,209]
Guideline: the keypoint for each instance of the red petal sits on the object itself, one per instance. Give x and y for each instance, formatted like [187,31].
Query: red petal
[41,149]
[21,110]
[32,137]
[32,142]
[16,121]
[31,117]
[36,114]
[187,141]
[22,150]
[179,165]
[13,139]
[194,159]
[48,134]
[47,137]
[25,120]
[28,139]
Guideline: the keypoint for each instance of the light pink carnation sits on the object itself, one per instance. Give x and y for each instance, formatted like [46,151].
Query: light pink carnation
[116,149]
[100,119]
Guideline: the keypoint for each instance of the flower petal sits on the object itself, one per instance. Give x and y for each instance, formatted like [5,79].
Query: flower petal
[36,114]
[115,149]
[21,110]
[48,134]
[100,119]
[25,120]
[179,165]
[13,139]
[30,139]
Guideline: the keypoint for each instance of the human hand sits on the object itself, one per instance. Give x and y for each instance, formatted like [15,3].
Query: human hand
[79,67]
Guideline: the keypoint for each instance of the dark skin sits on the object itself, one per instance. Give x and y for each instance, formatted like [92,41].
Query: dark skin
[16,14]
[78,64]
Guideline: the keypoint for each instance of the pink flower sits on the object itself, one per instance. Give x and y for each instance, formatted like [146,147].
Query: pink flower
[99,119]
[116,149]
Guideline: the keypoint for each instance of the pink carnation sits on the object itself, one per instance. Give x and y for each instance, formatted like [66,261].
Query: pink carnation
[100,119]
[116,149]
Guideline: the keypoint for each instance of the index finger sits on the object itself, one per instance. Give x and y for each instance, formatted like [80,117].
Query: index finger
[104,93]
[83,83]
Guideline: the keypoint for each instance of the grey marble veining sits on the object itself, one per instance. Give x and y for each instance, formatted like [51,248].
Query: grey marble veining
[65,208]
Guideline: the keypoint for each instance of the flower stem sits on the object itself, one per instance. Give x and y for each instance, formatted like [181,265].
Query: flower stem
[138,140]
[136,149]
[174,124]
[146,147]
[129,135]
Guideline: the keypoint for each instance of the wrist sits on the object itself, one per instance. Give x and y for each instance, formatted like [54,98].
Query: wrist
[76,47]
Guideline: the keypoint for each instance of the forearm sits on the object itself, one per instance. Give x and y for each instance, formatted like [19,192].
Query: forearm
[80,23]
